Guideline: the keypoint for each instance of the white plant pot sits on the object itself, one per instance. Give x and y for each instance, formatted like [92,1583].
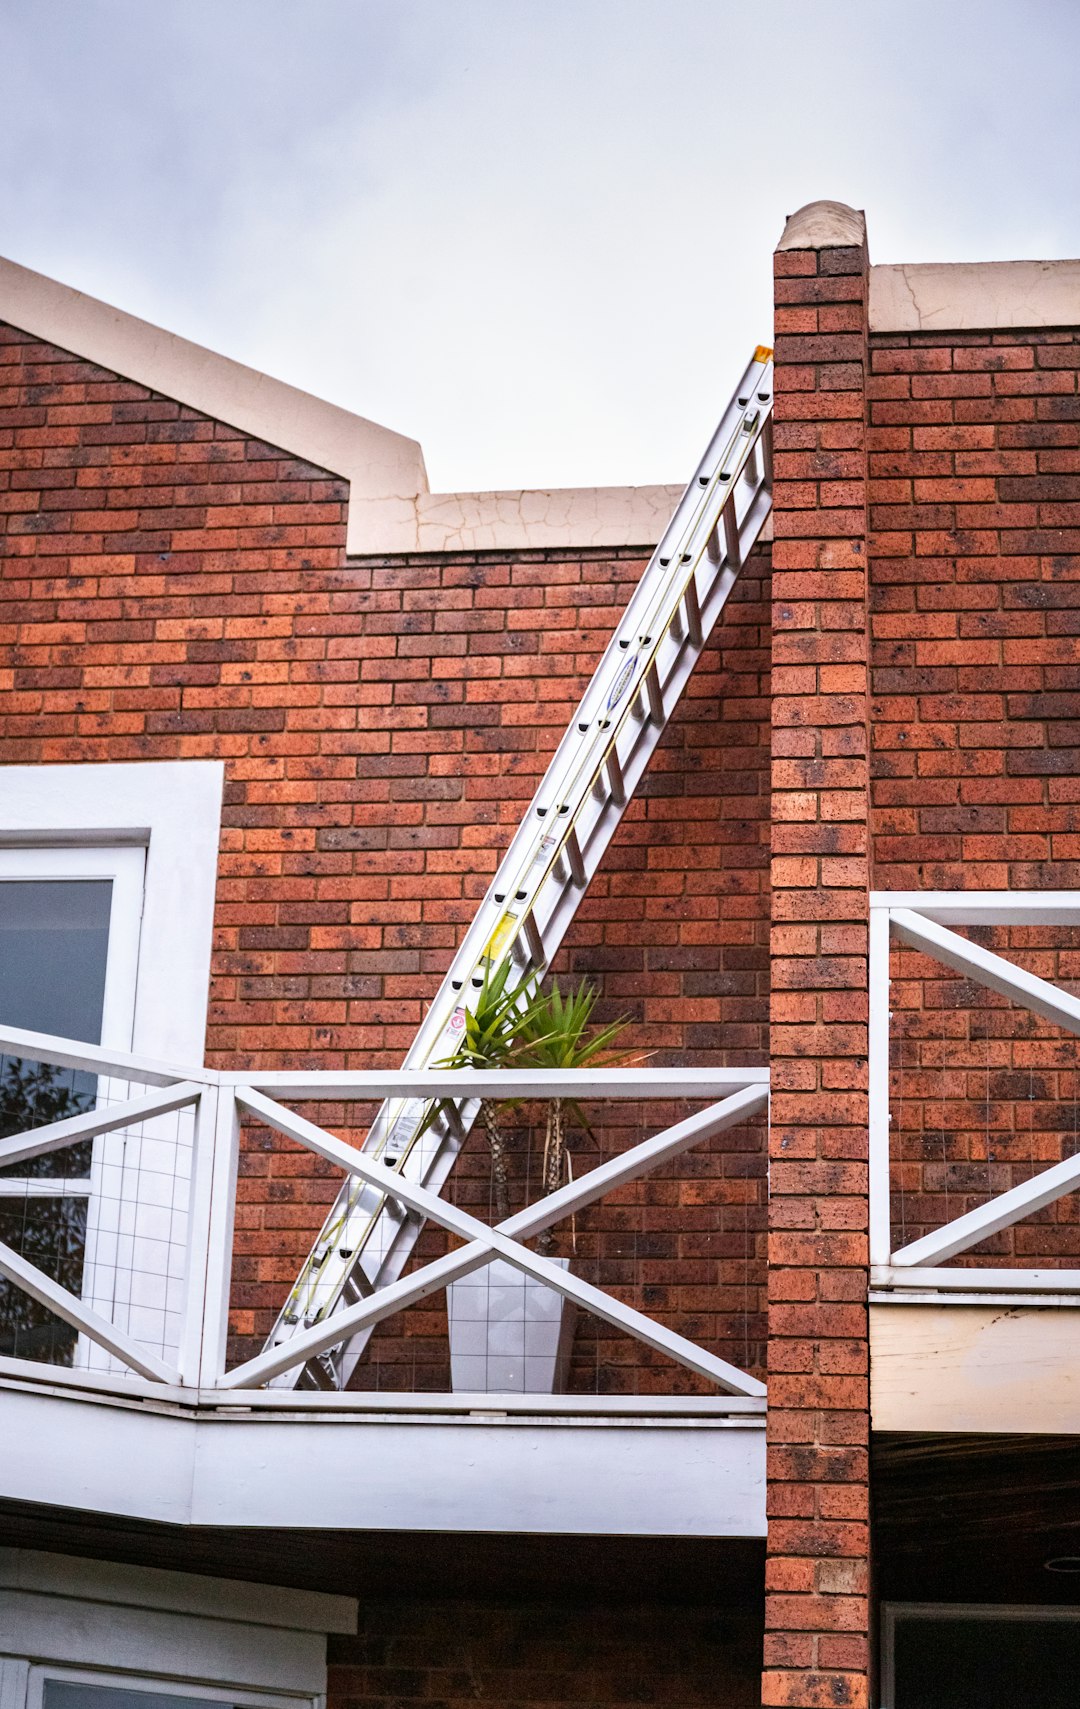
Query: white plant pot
[509,1334]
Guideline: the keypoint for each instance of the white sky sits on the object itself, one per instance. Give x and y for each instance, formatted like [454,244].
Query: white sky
[533,234]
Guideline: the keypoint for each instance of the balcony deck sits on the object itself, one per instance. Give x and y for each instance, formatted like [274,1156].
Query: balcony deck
[152,1422]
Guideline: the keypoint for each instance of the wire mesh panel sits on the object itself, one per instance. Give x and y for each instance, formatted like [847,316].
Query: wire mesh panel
[681,1248]
[983,1097]
[137,1230]
[43,1203]
[104,1218]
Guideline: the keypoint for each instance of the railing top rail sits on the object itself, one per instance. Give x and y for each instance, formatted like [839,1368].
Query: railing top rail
[503,1083]
[97,1059]
[377,1084]
[985,907]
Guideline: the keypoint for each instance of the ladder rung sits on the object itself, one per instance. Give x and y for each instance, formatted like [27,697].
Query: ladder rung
[653,690]
[731,536]
[693,614]
[574,860]
[615,778]
[533,939]
[356,1286]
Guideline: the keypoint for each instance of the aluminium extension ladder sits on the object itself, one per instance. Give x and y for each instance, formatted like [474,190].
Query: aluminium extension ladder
[367,1237]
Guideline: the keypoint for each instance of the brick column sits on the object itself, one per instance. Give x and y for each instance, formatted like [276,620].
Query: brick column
[817,1626]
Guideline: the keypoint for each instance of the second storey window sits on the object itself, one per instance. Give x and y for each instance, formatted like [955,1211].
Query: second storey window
[69,949]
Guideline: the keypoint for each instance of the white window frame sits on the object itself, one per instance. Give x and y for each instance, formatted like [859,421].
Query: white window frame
[258,1646]
[154,827]
[893,1612]
[172,810]
[124,868]
[40,1673]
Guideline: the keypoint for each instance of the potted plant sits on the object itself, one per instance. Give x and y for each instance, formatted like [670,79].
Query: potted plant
[508,1331]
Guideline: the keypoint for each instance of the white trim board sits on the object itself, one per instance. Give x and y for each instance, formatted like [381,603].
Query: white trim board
[981,1368]
[176,1628]
[42,1571]
[663,1475]
[174,808]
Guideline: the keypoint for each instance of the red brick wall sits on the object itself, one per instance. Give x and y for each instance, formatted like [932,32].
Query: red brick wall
[975,565]
[173,589]
[816,1641]
[455,1655]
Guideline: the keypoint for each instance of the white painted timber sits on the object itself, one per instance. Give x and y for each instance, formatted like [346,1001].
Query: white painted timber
[980,296]
[994,971]
[485,1242]
[985,907]
[138,1626]
[97,1329]
[983,1369]
[962,1232]
[47,1574]
[594,1083]
[498,1470]
[107,1119]
[173,808]
[928,1280]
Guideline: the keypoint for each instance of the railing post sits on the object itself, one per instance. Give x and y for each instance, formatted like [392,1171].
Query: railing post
[878,1066]
[210,1227]
[198,1234]
[215,1322]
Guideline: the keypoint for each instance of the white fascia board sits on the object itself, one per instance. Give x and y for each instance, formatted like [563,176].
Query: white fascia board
[974,296]
[654,1475]
[373,459]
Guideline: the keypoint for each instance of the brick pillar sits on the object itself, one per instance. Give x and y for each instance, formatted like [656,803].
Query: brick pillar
[817,1626]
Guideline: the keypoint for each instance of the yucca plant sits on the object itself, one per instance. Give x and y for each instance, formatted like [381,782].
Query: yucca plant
[520,1025]
[492,1026]
[555,1031]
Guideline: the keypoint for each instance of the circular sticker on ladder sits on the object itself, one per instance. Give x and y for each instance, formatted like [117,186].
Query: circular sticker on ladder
[456,1021]
[622,682]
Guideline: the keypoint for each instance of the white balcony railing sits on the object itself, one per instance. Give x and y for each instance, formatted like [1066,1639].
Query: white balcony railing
[934,925]
[151,1313]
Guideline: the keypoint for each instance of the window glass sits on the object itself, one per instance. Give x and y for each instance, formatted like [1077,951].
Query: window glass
[70,1694]
[54,941]
[986,1663]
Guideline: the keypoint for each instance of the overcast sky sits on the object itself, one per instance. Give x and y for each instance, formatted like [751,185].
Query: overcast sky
[533,234]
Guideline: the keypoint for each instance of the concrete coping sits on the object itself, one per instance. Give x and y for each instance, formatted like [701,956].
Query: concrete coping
[824,225]
[391,509]
[974,296]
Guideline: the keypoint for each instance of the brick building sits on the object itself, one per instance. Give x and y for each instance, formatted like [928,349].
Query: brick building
[271,714]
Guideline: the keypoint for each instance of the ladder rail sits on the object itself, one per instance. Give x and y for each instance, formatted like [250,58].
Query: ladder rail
[560,841]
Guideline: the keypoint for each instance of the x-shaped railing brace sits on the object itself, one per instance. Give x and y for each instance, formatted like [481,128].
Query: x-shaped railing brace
[504,1241]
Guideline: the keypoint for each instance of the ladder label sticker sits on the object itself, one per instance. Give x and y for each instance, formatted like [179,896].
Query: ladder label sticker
[547,843]
[501,937]
[622,682]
